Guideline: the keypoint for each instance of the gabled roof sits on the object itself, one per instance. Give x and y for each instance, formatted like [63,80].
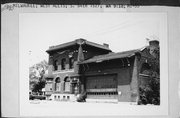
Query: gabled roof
[111,56]
[76,42]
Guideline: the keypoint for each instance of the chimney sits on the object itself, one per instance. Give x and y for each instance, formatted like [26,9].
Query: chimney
[154,43]
[106,45]
[154,47]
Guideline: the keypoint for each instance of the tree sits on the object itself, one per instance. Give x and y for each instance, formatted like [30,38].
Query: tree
[36,76]
[150,92]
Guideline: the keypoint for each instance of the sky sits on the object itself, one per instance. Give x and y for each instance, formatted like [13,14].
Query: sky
[122,31]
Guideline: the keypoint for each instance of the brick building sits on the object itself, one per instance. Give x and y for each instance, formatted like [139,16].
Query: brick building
[83,66]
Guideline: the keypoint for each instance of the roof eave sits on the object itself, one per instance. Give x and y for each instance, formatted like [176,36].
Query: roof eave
[98,46]
[61,46]
[75,43]
[101,60]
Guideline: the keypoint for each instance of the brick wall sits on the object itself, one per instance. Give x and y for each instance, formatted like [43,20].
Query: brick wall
[127,76]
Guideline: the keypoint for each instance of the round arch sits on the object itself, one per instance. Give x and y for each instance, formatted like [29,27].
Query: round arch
[57,80]
[57,84]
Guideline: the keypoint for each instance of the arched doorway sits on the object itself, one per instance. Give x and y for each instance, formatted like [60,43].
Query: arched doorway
[57,84]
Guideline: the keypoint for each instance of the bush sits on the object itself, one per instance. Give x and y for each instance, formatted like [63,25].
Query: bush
[82,97]
[150,94]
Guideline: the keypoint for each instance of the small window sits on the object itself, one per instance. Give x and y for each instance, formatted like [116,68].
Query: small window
[71,62]
[55,64]
[63,64]
[68,97]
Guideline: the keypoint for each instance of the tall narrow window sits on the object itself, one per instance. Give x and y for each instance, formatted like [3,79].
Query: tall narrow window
[63,64]
[55,64]
[71,62]
[67,84]
[58,84]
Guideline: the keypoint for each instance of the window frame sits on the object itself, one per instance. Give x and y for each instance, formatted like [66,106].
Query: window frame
[63,63]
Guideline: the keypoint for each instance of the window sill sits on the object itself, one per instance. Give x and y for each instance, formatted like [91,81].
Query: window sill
[62,71]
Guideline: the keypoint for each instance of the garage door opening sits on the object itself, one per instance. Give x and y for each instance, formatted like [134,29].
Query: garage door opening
[101,87]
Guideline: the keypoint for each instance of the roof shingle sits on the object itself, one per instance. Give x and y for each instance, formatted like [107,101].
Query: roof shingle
[111,56]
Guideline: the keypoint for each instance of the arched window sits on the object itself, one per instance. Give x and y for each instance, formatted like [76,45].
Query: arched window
[63,64]
[67,84]
[57,84]
[71,62]
[145,69]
